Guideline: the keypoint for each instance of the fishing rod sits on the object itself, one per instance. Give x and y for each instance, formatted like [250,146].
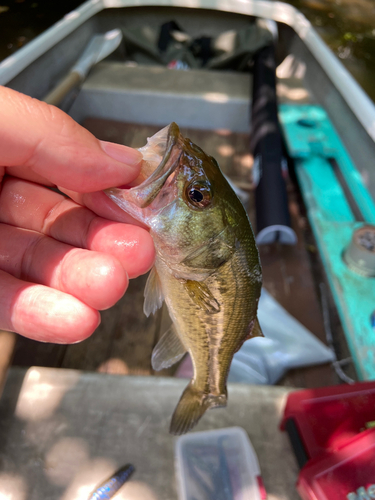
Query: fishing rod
[270,165]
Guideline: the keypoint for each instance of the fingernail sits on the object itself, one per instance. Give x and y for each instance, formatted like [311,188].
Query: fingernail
[122,153]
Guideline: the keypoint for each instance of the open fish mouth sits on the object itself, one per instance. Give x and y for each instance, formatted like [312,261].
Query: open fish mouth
[161,157]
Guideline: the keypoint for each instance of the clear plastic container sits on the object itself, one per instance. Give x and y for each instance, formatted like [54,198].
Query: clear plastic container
[218,465]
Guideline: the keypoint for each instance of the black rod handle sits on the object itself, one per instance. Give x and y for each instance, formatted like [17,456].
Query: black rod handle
[271,201]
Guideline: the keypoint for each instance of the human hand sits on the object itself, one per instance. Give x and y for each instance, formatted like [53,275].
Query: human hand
[62,259]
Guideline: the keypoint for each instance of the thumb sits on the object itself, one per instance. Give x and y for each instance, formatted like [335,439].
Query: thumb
[47,141]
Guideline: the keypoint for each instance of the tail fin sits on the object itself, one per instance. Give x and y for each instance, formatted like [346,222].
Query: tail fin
[191,407]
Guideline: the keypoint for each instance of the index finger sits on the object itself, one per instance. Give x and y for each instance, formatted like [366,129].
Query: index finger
[50,143]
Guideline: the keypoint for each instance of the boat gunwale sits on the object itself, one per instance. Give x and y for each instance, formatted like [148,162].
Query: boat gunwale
[354,96]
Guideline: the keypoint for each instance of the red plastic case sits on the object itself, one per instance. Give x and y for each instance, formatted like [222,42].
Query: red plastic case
[345,474]
[328,417]
[327,427]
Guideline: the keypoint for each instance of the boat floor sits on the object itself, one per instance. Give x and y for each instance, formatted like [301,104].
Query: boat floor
[124,341]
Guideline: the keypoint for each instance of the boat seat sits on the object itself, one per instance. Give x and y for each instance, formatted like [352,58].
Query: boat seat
[157,95]
[63,432]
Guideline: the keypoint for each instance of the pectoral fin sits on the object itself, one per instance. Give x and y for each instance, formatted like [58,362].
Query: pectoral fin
[201,296]
[153,293]
[167,351]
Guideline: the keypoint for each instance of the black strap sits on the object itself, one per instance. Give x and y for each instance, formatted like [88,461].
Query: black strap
[201,48]
[165,36]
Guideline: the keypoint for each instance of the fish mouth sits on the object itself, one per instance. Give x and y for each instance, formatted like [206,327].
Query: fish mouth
[161,157]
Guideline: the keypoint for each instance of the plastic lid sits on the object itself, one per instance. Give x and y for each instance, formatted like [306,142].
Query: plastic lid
[217,465]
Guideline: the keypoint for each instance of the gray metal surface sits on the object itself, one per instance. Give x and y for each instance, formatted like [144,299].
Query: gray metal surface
[156,95]
[340,78]
[62,432]
[42,75]
[359,144]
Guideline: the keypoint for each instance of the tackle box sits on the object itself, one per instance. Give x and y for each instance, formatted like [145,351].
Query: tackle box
[332,432]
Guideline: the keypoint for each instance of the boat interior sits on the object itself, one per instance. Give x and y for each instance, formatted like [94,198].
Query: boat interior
[125,102]
[76,419]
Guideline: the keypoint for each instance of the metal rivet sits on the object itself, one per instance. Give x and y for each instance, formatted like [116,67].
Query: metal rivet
[359,256]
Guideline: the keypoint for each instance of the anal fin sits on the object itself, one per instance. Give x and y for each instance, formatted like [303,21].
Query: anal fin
[167,351]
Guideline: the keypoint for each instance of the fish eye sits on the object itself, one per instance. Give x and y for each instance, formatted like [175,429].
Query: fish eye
[195,196]
[199,195]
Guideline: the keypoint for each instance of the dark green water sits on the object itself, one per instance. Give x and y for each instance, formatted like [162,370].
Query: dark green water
[23,20]
[347,26]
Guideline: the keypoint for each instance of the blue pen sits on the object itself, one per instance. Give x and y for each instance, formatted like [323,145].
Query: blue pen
[111,486]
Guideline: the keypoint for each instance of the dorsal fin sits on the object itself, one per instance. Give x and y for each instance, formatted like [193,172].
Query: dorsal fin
[153,293]
[168,350]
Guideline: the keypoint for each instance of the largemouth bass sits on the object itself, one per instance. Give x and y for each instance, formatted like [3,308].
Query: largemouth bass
[207,267]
